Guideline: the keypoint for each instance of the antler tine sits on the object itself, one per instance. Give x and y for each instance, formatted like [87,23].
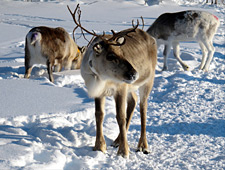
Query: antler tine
[74,32]
[78,24]
[121,34]
[113,32]
[108,41]
[143,23]
[73,14]
[136,25]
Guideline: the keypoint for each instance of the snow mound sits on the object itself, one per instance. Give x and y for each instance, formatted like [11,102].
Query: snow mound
[46,125]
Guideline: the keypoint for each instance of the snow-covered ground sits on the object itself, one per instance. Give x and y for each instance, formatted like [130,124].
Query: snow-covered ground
[52,126]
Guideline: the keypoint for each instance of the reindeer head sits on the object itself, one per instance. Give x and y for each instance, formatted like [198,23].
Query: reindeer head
[107,60]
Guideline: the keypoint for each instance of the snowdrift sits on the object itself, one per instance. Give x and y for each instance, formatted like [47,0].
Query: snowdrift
[52,126]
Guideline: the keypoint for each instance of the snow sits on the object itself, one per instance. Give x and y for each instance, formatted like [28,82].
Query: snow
[46,125]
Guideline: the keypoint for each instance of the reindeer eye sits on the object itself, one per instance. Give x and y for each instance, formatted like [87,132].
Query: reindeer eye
[111,57]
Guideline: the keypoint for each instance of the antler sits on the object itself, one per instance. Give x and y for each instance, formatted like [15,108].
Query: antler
[115,36]
[110,41]
[143,23]
[78,24]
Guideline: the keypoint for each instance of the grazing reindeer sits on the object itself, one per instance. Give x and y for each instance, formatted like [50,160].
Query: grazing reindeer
[51,47]
[171,28]
[117,65]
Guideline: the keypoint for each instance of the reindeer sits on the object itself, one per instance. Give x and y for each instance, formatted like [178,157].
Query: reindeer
[171,28]
[51,47]
[117,65]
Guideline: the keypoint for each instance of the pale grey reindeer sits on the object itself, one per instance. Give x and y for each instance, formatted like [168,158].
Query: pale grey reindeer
[171,28]
[117,65]
[52,47]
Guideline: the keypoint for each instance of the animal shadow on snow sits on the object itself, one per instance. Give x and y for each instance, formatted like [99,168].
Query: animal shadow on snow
[83,95]
[7,72]
[219,45]
[87,150]
[172,83]
[213,127]
[219,55]
[13,133]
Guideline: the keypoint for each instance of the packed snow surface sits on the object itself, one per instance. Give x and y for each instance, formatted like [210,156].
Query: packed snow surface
[46,125]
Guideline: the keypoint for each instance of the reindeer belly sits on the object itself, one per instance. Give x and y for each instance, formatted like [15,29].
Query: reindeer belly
[183,37]
[186,32]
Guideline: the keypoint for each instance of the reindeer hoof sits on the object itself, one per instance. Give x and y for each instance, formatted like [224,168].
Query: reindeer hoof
[116,143]
[123,153]
[165,68]
[100,147]
[145,151]
[205,69]
[123,150]
[124,156]
[26,76]
[186,68]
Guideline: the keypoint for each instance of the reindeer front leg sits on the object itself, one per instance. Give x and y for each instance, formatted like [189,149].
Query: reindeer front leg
[176,52]
[131,104]
[166,52]
[120,99]
[143,144]
[100,144]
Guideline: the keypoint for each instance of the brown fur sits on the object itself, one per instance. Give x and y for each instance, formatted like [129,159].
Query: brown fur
[53,45]
[119,70]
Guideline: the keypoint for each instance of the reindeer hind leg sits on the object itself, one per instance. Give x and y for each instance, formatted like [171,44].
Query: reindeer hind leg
[204,55]
[209,46]
[49,68]
[27,72]
[121,99]
[28,66]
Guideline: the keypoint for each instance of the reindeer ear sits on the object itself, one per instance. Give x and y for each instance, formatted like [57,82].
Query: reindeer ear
[98,48]
[121,40]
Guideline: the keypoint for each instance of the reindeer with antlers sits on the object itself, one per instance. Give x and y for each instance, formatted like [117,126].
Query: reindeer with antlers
[117,65]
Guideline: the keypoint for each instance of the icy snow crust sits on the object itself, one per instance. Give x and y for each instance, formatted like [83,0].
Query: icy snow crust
[52,126]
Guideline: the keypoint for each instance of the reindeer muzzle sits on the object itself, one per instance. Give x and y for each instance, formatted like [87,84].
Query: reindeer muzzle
[131,76]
